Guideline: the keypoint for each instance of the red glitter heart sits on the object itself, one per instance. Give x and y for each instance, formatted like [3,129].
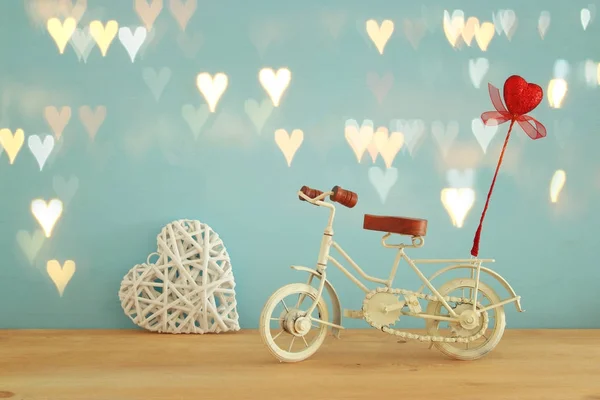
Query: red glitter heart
[521,97]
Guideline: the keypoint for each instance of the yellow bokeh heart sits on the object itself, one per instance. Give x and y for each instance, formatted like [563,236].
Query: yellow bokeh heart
[380,34]
[289,144]
[275,83]
[458,203]
[388,145]
[453,26]
[212,88]
[60,276]
[372,150]
[12,143]
[61,32]
[471,26]
[104,35]
[47,213]
[484,34]
[359,138]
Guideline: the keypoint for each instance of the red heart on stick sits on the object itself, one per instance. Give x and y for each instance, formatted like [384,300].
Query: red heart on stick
[521,97]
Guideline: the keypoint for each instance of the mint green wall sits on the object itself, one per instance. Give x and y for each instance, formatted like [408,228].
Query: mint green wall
[145,168]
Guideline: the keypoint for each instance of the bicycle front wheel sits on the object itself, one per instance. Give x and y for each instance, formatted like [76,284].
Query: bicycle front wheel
[285,327]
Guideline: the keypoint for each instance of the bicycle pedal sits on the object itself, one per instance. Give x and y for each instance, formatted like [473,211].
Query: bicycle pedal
[355,314]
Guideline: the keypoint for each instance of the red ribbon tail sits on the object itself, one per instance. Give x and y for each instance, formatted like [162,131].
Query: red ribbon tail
[532,127]
[496,99]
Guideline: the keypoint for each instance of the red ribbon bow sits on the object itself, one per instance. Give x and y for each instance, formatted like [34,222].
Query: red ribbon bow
[532,127]
[520,97]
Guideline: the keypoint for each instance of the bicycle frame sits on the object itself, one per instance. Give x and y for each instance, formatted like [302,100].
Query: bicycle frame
[417,241]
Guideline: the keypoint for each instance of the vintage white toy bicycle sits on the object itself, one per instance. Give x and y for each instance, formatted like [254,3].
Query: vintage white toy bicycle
[464,317]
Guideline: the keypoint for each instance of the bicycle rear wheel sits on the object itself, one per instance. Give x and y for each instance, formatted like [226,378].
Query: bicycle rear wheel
[486,296]
[289,333]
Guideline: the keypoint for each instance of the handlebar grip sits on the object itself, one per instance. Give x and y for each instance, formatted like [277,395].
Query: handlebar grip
[344,197]
[312,193]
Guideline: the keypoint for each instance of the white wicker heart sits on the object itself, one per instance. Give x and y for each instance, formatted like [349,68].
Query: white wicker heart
[190,288]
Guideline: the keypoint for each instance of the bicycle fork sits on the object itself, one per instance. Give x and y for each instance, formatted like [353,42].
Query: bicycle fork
[309,283]
[319,292]
[322,277]
[322,263]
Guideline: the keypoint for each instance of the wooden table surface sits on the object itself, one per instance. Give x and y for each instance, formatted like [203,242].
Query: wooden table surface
[363,364]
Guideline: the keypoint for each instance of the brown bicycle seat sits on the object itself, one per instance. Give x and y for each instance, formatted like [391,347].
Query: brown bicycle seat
[399,225]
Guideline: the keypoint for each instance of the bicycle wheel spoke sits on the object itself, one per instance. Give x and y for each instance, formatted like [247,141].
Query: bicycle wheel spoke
[276,319]
[305,342]
[291,344]
[301,297]
[285,306]
[276,336]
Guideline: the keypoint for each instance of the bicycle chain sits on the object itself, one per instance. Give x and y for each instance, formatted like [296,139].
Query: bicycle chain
[422,338]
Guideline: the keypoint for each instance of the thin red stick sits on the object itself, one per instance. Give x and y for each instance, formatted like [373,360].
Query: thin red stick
[475,248]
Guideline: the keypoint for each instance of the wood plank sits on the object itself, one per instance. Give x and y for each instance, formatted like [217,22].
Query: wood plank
[109,365]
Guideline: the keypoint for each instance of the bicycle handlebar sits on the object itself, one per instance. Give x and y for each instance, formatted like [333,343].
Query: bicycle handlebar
[309,192]
[344,197]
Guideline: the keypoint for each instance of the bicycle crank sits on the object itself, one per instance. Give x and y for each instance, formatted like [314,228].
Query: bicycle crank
[375,307]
